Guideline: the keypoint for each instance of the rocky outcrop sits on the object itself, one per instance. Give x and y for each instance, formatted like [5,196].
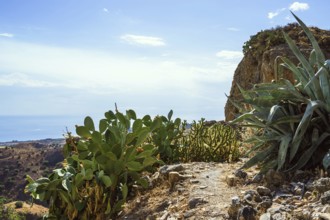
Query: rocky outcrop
[260,53]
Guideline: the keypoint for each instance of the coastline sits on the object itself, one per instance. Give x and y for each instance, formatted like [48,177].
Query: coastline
[46,141]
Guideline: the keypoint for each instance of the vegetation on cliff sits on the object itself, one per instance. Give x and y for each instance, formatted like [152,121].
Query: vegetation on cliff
[291,120]
[267,39]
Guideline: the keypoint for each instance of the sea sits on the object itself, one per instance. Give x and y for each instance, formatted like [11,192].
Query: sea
[26,128]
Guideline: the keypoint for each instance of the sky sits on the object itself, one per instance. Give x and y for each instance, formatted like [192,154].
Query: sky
[80,57]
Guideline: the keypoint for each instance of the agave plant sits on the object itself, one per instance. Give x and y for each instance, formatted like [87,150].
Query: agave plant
[291,120]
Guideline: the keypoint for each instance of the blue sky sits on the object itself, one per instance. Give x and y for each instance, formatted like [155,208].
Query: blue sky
[79,57]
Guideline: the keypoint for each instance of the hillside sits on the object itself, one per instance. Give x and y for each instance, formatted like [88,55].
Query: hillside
[260,55]
[37,158]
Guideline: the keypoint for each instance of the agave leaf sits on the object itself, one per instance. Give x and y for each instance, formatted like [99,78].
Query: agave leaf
[283,149]
[322,75]
[294,69]
[292,119]
[315,136]
[259,157]
[244,93]
[318,52]
[243,117]
[312,58]
[236,104]
[308,68]
[268,165]
[303,125]
[326,161]
[306,156]
[324,81]
[275,113]
[302,59]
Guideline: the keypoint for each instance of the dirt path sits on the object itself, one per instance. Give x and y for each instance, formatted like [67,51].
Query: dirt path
[202,193]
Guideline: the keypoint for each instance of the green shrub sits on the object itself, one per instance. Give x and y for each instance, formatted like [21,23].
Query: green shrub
[166,136]
[100,168]
[18,204]
[217,143]
[10,214]
[291,121]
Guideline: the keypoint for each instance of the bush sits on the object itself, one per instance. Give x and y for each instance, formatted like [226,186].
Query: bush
[291,121]
[18,204]
[217,143]
[101,165]
[100,168]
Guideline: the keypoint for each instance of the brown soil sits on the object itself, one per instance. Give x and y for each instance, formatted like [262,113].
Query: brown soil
[205,184]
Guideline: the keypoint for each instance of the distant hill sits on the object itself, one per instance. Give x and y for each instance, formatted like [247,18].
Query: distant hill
[36,158]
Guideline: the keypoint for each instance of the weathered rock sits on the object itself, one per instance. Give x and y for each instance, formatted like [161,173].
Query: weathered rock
[240,174]
[265,216]
[264,191]
[298,188]
[247,213]
[234,207]
[326,209]
[165,215]
[324,216]
[325,198]
[274,178]
[155,178]
[166,169]
[321,185]
[194,181]
[280,216]
[254,194]
[301,176]
[235,200]
[257,178]
[231,180]
[192,203]
[189,213]
[265,204]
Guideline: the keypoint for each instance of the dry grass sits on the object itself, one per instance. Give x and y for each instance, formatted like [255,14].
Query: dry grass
[36,210]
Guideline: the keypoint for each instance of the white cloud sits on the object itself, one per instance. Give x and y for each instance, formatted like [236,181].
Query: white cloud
[143,40]
[299,6]
[105,10]
[90,81]
[232,29]
[273,14]
[41,66]
[229,54]
[6,35]
[22,79]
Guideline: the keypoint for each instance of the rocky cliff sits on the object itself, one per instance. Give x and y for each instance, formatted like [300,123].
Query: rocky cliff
[260,53]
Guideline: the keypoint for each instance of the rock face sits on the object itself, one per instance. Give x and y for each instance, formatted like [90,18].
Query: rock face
[260,53]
